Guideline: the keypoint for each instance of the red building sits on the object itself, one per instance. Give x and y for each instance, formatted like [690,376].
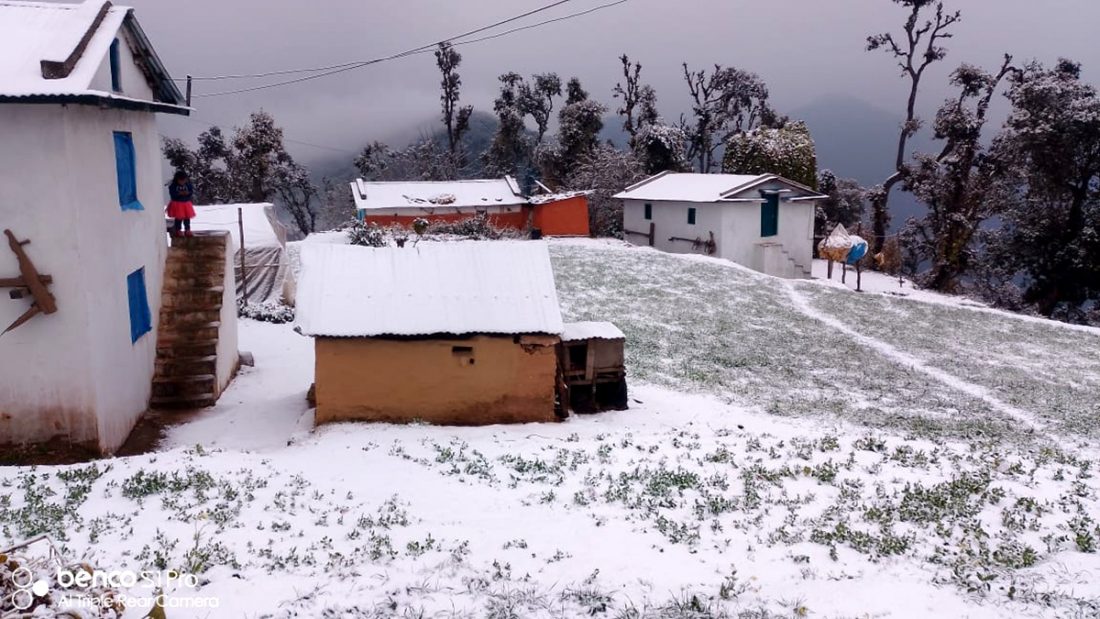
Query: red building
[402,203]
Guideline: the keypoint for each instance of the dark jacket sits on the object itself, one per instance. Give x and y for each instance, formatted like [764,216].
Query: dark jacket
[181,193]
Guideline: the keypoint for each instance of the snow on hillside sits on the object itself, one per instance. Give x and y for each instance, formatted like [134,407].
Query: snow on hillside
[792,449]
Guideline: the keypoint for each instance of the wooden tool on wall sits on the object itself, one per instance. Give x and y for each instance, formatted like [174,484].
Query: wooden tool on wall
[29,281]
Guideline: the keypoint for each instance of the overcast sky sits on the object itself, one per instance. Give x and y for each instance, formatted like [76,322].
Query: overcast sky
[804,49]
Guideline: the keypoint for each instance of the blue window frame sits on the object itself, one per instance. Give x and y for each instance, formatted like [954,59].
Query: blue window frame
[648,212]
[769,215]
[691,216]
[126,169]
[116,66]
[141,319]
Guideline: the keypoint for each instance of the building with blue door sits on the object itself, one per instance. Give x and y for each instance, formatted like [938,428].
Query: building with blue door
[80,178]
[764,222]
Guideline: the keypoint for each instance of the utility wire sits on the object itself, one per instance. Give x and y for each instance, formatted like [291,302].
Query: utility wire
[334,69]
[354,64]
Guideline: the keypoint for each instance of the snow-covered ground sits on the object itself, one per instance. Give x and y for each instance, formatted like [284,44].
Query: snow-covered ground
[792,449]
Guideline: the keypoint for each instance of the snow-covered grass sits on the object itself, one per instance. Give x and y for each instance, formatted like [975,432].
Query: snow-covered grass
[791,450]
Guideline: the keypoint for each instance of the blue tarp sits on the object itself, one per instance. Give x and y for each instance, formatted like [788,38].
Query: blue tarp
[858,250]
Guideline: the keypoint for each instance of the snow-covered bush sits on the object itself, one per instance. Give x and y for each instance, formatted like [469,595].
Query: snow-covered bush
[478,228]
[366,234]
[273,312]
[788,152]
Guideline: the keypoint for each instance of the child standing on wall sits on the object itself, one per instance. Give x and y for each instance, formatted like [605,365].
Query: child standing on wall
[181,208]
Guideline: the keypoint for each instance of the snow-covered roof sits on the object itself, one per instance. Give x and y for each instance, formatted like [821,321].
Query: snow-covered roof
[437,194]
[578,331]
[548,198]
[259,223]
[52,51]
[459,288]
[688,187]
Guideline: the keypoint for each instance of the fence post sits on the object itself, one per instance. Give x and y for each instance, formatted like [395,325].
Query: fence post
[244,272]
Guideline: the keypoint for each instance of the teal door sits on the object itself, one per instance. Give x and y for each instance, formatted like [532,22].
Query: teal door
[769,215]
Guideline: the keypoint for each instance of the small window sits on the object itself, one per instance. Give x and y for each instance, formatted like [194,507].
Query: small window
[126,168]
[691,216]
[116,68]
[141,320]
[648,212]
[769,215]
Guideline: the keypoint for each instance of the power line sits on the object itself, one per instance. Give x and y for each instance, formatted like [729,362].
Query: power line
[334,69]
[358,63]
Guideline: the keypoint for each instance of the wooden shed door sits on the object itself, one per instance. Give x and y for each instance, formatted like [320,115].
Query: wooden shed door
[769,216]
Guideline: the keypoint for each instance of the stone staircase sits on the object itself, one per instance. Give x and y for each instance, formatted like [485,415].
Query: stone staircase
[191,308]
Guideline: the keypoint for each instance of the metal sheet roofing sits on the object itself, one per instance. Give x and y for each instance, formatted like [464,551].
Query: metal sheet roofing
[577,331]
[457,288]
[437,194]
[687,187]
[33,32]
[261,228]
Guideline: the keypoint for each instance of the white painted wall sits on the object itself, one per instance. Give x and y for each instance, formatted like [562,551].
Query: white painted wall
[134,84]
[736,228]
[228,353]
[672,221]
[76,374]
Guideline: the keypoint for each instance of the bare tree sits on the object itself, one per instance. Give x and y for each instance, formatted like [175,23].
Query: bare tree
[914,52]
[725,103]
[455,118]
[639,106]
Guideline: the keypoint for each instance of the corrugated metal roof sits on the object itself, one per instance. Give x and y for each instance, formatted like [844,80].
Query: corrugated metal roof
[577,331]
[708,188]
[32,32]
[459,288]
[687,187]
[437,194]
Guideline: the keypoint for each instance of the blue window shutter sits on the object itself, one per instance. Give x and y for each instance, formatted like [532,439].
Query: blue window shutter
[769,215]
[126,168]
[141,319]
[116,68]
[648,211]
[691,216]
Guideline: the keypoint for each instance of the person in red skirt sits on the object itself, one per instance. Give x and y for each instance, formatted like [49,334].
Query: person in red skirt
[181,208]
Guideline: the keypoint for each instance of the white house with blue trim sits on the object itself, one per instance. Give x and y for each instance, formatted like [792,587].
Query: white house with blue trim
[764,222]
[80,178]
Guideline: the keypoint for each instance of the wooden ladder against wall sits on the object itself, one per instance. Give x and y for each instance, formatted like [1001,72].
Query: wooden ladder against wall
[190,315]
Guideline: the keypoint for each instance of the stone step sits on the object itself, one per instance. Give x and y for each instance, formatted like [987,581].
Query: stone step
[189,386]
[182,402]
[178,265]
[202,239]
[182,316]
[191,281]
[177,348]
[194,299]
[198,250]
[186,366]
[176,334]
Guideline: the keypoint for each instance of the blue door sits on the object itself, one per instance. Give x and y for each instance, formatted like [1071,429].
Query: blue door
[769,215]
